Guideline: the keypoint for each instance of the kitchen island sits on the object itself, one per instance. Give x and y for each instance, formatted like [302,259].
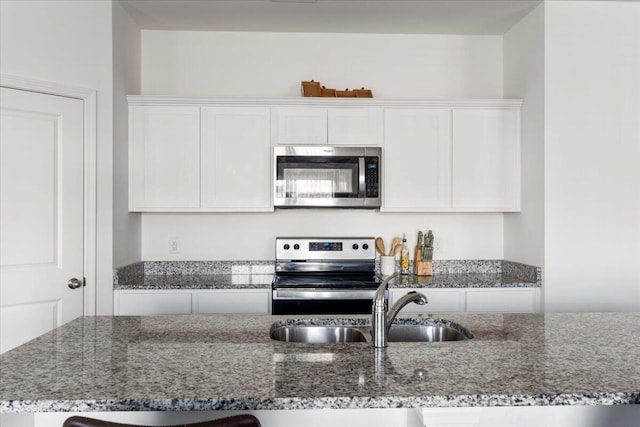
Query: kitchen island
[222,363]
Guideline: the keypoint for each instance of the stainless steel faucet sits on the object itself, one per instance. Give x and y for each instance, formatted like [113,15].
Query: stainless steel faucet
[381,320]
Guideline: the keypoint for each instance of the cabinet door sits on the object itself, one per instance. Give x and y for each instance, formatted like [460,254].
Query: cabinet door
[144,303]
[298,126]
[502,301]
[164,153]
[417,159]
[230,301]
[354,126]
[439,300]
[236,159]
[486,159]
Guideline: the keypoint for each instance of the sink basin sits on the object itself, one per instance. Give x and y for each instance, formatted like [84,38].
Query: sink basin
[426,333]
[402,330]
[319,334]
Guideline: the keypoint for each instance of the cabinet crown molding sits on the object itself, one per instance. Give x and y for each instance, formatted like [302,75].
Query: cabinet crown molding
[327,102]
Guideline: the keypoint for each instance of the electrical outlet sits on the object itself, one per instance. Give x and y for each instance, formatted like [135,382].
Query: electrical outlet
[173,245]
[437,245]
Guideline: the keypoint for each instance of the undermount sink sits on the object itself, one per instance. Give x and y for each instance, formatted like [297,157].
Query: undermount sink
[403,330]
[319,334]
[426,333]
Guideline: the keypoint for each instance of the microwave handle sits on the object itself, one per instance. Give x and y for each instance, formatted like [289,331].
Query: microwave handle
[362,186]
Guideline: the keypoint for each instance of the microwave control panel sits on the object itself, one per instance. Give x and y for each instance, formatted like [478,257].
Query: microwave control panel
[371,176]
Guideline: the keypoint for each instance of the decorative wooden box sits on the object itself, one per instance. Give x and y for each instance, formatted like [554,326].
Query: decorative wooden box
[315,89]
[311,88]
[363,93]
[328,92]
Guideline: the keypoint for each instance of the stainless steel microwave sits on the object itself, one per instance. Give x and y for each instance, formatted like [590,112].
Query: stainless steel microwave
[327,176]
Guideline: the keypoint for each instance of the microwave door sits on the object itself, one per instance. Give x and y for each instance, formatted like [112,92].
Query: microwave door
[324,176]
[318,180]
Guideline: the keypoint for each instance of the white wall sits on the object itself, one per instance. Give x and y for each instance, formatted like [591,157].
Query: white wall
[69,42]
[592,156]
[524,78]
[250,236]
[126,81]
[196,63]
[207,63]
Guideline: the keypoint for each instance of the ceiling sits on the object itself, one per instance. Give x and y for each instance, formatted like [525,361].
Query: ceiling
[332,16]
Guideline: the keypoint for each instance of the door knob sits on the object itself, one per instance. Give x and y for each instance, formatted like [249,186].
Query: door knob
[74,283]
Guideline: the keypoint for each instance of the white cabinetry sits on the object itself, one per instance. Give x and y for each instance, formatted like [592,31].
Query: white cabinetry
[229,301]
[147,303]
[236,153]
[198,158]
[472,300]
[440,300]
[322,126]
[191,301]
[354,126]
[516,300]
[417,159]
[486,159]
[209,154]
[462,158]
[164,157]
[298,126]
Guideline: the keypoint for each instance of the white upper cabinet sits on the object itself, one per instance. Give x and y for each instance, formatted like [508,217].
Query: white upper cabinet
[354,126]
[298,126]
[417,159]
[486,159]
[199,158]
[236,158]
[164,157]
[210,154]
[322,126]
[463,157]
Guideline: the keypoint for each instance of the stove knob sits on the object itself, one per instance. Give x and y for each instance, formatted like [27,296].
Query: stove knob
[286,246]
[355,246]
[296,246]
[365,246]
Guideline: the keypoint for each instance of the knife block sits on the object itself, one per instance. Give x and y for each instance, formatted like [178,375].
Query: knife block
[420,267]
[423,268]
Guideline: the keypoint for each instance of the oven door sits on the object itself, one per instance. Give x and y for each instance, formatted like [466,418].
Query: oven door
[322,301]
[323,176]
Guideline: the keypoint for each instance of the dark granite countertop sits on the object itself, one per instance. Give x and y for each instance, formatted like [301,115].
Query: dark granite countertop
[176,363]
[259,274]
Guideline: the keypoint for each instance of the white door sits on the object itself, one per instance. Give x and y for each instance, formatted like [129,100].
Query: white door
[41,214]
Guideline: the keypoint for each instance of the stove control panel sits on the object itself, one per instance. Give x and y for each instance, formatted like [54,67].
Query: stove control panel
[325,248]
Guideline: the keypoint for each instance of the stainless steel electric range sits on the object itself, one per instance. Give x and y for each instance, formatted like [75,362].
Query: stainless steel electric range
[322,275]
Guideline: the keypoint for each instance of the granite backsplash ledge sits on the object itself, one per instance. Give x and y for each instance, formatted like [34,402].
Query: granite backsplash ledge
[194,274]
[203,273]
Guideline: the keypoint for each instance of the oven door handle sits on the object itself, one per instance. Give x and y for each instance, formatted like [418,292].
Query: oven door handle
[317,293]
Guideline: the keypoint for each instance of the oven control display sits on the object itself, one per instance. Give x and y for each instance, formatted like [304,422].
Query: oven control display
[325,246]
